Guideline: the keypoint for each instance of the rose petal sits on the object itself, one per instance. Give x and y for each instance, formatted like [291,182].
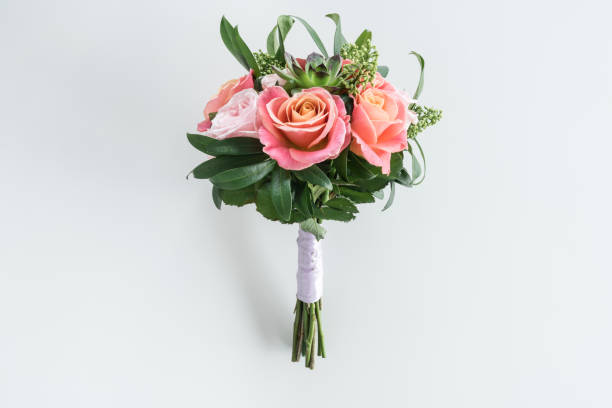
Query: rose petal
[278,151]
[204,125]
[335,142]
[362,126]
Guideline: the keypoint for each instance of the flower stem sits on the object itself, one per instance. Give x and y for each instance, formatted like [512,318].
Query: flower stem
[307,333]
[310,338]
[320,343]
[295,356]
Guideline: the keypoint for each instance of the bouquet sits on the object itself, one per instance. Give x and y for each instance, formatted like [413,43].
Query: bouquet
[307,140]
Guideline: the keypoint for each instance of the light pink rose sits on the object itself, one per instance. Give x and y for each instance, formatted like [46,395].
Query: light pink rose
[306,128]
[227,90]
[272,80]
[379,123]
[237,118]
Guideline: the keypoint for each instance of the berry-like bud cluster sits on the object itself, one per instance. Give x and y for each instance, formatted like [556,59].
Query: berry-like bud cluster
[266,61]
[362,69]
[427,117]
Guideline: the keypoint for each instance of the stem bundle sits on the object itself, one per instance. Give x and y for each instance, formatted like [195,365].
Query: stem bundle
[307,322]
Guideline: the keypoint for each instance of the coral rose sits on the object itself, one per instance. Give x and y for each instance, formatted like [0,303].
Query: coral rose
[237,118]
[227,90]
[382,83]
[379,124]
[304,129]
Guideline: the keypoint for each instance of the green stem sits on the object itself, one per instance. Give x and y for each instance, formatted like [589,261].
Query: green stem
[307,324]
[296,327]
[321,343]
[310,338]
[300,333]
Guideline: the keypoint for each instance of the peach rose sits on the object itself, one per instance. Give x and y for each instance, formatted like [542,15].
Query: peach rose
[227,90]
[304,129]
[379,124]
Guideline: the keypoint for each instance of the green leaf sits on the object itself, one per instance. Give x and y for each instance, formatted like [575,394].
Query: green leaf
[234,146]
[339,39]
[316,191]
[314,175]
[404,178]
[216,196]
[284,24]
[246,52]
[227,35]
[296,216]
[218,164]
[341,203]
[372,185]
[283,74]
[303,201]
[419,89]
[391,197]
[240,177]
[264,203]
[313,35]
[310,225]
[327,213]
[341,163]
[356,196]
[363,37]
[416,168]
[238,197]
[359,169]
[200,142]
[280,189]
[380,194]
[397,163]
[383,70]
[272,41]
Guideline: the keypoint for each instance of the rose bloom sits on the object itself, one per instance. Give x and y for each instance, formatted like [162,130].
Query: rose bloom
[304,129]
[379,123]
[237,118]
[381,83]
[270,80]
[227,90]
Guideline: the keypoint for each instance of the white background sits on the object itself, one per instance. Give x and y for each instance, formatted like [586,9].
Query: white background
[122,286]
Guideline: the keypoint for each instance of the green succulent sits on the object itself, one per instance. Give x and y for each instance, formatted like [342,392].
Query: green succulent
[317,72]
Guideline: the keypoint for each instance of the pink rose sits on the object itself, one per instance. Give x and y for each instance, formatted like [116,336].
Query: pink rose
[379,124]
[271,80]
[304,129]
[237,118]
[227,90]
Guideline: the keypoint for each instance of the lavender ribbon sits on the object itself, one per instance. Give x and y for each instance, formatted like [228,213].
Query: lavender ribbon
[310,268]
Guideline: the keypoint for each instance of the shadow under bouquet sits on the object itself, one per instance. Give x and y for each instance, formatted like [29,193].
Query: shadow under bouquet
[308,140]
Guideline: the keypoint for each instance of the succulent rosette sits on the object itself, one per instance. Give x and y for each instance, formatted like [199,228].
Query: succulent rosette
[308,140]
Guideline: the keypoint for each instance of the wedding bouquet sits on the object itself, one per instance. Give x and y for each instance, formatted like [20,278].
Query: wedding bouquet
[306,140]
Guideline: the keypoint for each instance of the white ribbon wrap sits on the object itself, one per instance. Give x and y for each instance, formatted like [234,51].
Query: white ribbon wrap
[310,268]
